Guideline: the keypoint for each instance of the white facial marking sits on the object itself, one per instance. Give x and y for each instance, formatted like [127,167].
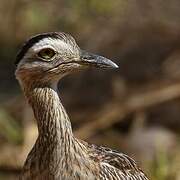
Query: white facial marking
[57,45]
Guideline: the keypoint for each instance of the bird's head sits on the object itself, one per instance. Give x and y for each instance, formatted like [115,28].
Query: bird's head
[50,56]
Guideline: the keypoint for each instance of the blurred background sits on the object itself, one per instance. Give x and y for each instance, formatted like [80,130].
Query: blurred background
[135,109]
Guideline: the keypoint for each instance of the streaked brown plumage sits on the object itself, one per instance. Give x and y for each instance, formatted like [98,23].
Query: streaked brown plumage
[57,154]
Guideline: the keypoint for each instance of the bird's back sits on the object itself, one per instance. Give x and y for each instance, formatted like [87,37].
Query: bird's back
[115,165]
[97,163]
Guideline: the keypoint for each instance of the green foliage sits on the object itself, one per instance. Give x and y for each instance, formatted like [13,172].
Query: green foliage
[35,17]
[9,128]
[165,166]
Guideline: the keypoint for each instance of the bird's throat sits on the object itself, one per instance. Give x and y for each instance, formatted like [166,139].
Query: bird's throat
[56,146]
[53,122]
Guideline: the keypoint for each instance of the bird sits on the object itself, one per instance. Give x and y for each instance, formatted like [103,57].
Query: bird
[42,61]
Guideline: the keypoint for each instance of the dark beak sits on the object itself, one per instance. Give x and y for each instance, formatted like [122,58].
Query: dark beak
[93,60]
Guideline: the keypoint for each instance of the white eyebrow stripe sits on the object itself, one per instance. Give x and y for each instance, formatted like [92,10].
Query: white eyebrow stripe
[38,48]
[56,44]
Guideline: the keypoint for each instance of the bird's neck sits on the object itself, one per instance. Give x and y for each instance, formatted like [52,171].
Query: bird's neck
[56,146]
[54,126]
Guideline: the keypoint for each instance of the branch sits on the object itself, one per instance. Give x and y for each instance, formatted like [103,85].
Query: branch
[115,112]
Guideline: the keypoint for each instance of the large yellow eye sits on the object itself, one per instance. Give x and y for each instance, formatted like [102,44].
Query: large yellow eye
[46,54]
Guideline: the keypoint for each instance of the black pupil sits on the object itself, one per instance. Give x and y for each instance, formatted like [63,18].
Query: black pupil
[48,52]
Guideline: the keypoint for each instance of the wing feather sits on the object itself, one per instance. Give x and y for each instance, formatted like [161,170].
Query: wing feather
[116,165]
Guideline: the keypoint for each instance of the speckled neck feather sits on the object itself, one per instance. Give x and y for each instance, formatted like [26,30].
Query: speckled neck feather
[56,149]
[52,119]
